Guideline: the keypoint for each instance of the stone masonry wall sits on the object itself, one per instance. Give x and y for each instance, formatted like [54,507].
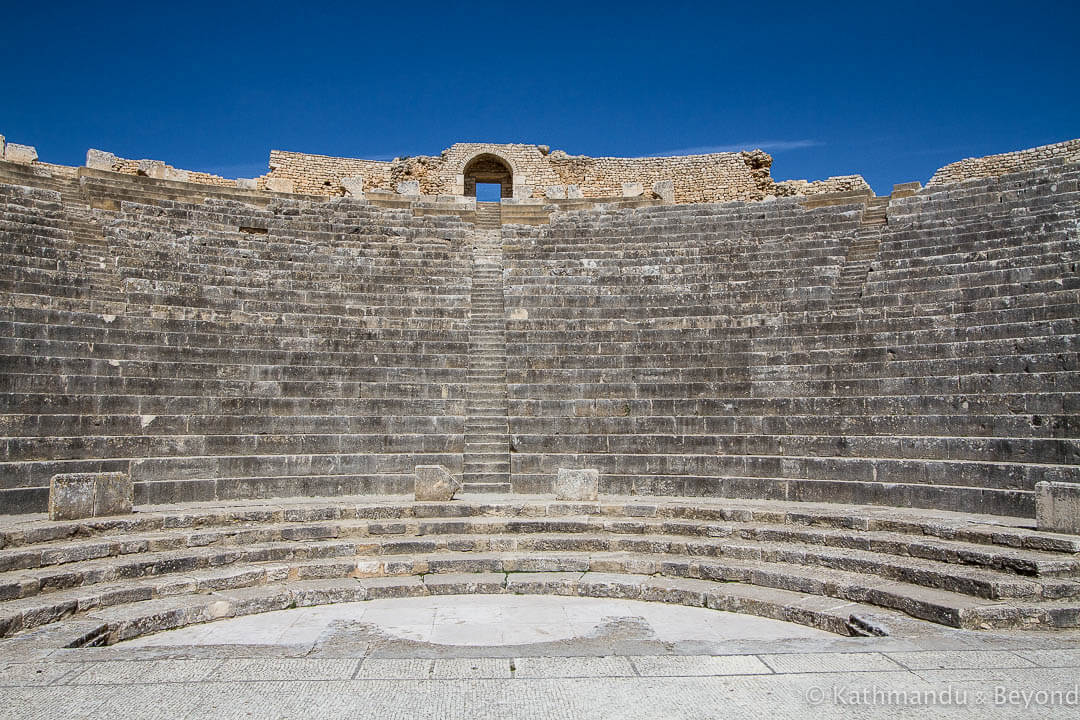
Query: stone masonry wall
[539,173]
[322,174]
[995,165]
[841,183]
[697,178]
[716,177]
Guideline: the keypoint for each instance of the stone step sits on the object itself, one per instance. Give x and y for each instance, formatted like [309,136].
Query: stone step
[491,463]
[470,479]
[485,444]
[479,443]
[939,606]
[122,622]
[955,530]
[487,425]
[498,455]
[743,540]
[487,488]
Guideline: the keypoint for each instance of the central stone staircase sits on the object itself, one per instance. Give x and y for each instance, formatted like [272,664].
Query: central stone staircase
[861,253]
[487,445]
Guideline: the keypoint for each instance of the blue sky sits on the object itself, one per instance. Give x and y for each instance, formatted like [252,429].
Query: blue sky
[888,90]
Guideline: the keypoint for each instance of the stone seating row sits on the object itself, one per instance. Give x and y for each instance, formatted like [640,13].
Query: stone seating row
[968,245]
[753,296]
[132,352]
[961,572]
[132,348]
[727,368]
[647,388]
[701,456]
[559,365]
[891,264]
[1046,312]
[743,353]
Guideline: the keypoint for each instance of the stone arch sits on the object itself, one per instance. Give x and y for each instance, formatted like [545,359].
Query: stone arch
[488,167]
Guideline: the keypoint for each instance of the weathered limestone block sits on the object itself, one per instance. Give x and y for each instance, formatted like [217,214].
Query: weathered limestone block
[434,482]
[555,192]
[247,183]
[574,192]
[281,185]
[152,168]
[114,494]
[2,142]
[177,175]
[577,484]
[1057,507]
[354,186]
[522,192]
[635,189]
[903,190]
[26,154]
[73,496]
[665,190]
[408,187]
[100,160]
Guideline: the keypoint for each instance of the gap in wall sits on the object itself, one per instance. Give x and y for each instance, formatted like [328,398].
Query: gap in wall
[488,192]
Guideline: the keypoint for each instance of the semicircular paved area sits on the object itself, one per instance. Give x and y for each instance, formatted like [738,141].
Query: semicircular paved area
[483,621]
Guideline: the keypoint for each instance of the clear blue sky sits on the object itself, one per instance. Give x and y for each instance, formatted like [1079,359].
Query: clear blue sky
[889,90]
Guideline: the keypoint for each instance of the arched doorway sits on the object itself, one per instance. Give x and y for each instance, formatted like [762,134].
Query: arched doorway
[488,168]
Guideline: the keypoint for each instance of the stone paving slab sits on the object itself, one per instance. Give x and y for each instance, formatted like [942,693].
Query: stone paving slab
[284,669]
[144,672]
[959,660]
[830,662]
[569,667]
[394,669]
[686,665]
[1015,675]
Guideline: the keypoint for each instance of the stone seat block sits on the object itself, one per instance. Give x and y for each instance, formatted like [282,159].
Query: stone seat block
[80,495]
[434,482]
[1057,507]
[575,485]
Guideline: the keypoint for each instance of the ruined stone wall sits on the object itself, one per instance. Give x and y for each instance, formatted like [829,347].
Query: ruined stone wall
[995,165]
[840,183]
[697,178]
[322,174]
[157,169]
[539,173]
